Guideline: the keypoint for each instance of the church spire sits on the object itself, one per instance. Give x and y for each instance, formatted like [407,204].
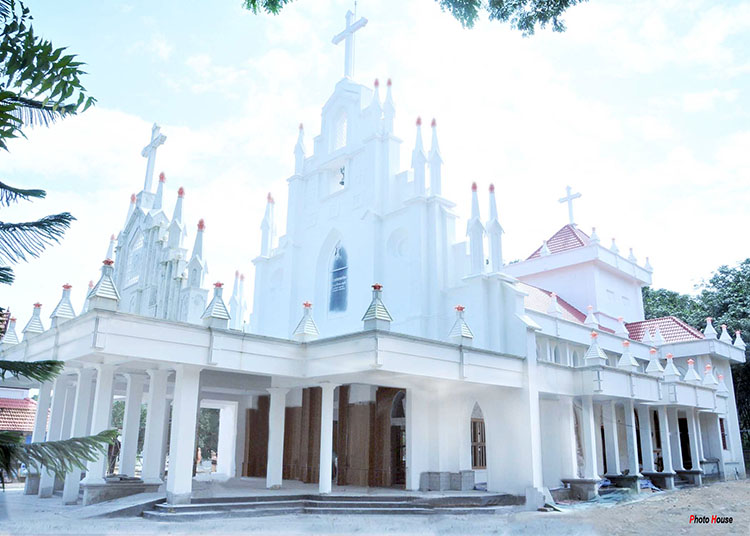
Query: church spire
[267,228]
[111,248]
[475,232]
[418,161]
[198,246]
[159,192]
[495,234]
[375,108]
[177,214]
[234,303]
[299,151]
[176,228]
[131,208]
[389,110]
[436,162]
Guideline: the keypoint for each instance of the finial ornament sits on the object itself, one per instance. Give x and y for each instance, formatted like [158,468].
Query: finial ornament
[347,35]
[181,192]
[162,177]
[569,200]
[419,121]
[201,225]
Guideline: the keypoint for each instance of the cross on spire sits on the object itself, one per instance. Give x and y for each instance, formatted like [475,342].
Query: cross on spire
[569,200]
[348,37]
[149,151]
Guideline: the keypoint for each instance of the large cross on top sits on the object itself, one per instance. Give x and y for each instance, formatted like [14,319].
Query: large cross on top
[348,37]
[149,151]
[569,200]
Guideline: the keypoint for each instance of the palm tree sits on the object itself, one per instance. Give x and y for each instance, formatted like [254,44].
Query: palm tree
[38,85]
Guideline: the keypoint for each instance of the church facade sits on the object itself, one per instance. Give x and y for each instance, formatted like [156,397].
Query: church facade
[386,347]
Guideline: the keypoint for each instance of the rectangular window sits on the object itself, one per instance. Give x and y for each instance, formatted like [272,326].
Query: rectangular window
[722,426]
[478,445]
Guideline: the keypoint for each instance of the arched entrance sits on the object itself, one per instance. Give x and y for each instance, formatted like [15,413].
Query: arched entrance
[478,445]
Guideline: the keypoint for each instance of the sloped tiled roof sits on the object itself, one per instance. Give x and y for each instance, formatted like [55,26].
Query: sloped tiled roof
[17,414]
[569,237]
[539,300]
[672,329]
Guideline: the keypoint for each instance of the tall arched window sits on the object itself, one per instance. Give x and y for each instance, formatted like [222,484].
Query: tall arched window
[339,131]
[339,269]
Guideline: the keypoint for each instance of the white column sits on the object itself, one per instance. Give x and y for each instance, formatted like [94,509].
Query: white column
[695,457]
[674,439]
[40,430]
[326,437]
[609,417]
[417,437]
[70,403]
[718,446]
[153,441]
[632,438]
[47,479]
[647,445]
[570,469]
[666,451]
[80,412]
[182,437]
[131,423]
[276,414]
[699,433]
[101,417]
[227,439]
[588,433]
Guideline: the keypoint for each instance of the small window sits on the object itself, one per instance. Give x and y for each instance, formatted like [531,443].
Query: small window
[339,280]
[723,427]
[478,445]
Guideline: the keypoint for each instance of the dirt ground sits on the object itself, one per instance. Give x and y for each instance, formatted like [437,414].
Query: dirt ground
[660,514]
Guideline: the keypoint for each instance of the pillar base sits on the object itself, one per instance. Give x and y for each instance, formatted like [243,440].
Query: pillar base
[630,482]
[96,493]
[583,489]
[178,498]
[662,480]
[694,476]
[31,486]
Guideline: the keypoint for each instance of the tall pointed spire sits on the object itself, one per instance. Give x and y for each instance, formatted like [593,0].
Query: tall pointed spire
[34,325]
[375,110]
[306,329]
[299,151]
[9,338]
[495,234]
[177,214]
[176,227]
[64,310]
[389,110]
[198,246]
[111,248]
[131,208]
[159,192]
[197,266]
[234,303]
[267,228]
[419,161]
[436,163]
[475,232]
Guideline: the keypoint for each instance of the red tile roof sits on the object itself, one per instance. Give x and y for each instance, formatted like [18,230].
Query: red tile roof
[569,237]
[17,414]
[672,329]
[539,300]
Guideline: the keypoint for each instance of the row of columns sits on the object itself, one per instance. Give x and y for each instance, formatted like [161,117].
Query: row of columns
[669,434]
[80,404]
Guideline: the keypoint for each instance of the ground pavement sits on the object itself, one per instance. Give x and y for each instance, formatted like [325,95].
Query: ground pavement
[661,514]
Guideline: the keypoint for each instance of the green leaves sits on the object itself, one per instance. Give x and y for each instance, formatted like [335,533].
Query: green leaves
[30,238]
[59,457]
[9,194]
[523,15]
[40,371]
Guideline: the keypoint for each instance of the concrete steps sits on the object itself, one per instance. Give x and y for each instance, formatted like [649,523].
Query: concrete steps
[318,504]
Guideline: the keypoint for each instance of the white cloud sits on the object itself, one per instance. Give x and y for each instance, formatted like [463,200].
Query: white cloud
[701,101]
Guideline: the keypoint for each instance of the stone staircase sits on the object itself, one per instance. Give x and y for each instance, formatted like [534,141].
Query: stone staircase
[272,505]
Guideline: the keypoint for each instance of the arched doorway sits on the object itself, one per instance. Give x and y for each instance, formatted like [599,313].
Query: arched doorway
[398,440]
[478,445]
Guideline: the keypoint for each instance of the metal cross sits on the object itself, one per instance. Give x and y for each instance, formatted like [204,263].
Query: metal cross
[149,151]
[348,37]
[569,200]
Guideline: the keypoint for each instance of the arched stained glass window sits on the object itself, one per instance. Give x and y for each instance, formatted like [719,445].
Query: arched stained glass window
[339,269]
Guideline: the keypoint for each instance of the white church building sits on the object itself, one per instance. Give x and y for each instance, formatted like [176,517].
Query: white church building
[384,347]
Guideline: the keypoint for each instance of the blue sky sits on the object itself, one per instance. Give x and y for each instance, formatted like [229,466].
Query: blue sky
[641,106]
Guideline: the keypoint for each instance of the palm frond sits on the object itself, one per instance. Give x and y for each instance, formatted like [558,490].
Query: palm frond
[6,8]
[32,112]
[30,238]
[40,371]
[10,194]
[58,457]
[6,275]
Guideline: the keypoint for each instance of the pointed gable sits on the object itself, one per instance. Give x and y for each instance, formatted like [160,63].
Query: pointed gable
[569,237]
